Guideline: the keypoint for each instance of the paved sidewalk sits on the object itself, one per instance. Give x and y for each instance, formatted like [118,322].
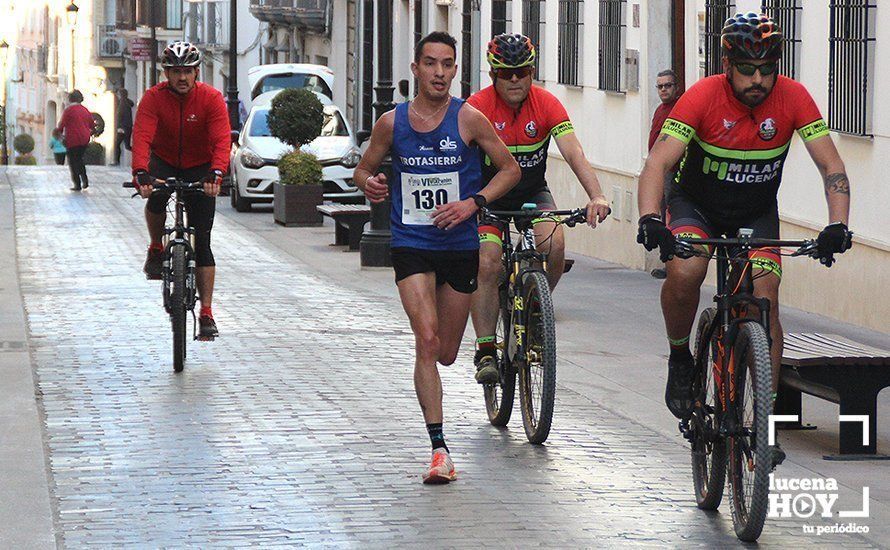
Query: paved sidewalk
[300,426]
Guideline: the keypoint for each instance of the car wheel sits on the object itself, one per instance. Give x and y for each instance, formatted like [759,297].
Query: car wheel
[239,203]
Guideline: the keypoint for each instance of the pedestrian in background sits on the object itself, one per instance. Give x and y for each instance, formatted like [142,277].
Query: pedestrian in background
[77,125]
[668,93]
[124,124]
[57,147]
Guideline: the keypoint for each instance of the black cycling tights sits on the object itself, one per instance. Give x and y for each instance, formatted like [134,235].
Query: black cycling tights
[199,207]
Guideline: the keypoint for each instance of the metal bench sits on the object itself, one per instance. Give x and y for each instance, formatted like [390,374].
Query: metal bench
[839,370]
[349,222]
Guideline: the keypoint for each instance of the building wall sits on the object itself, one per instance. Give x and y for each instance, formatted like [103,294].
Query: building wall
[613,128]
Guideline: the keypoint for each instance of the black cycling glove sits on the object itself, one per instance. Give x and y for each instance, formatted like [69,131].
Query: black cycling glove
[654,234]
[834,239]
[214,176]
[141,177]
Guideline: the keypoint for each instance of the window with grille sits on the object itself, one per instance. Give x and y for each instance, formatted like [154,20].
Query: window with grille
[470,44]
[533,27]
[418,20]
[501,16]
[611,27]
[851,65]
[716,13]
[787,14]
[571,27]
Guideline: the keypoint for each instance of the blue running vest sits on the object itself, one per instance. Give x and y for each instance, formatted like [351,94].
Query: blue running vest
[430,169]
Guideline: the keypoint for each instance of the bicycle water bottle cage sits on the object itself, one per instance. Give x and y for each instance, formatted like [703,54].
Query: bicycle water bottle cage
[529,206]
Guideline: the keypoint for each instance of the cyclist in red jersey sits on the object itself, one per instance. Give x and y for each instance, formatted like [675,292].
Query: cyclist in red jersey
[182,130]
[734,130]
[524,117]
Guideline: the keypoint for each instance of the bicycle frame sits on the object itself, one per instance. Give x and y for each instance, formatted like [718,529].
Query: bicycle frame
[518,261]
[179,234]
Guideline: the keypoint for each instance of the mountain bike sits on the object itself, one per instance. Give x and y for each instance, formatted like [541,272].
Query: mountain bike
[728,429]
[525,336]
[179,288]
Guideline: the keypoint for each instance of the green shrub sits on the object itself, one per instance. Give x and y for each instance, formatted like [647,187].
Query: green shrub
[296,117]
[299,168]
[23,144]
[94,154]
[26,160]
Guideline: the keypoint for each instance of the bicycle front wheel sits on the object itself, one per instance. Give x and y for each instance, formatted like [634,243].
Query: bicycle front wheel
[178,307]
[499,396]
[749,452]
[537,367]
[708,448]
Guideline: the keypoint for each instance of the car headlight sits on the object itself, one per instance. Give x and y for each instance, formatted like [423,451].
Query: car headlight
[249,159]
[351,159]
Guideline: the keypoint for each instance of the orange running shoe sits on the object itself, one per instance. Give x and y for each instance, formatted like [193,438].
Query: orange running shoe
[441,469]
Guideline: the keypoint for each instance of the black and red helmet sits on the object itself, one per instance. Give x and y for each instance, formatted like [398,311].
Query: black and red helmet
[751,36]
[181,54]
[511,51]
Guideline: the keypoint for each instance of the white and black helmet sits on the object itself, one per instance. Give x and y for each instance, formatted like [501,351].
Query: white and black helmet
[181,54]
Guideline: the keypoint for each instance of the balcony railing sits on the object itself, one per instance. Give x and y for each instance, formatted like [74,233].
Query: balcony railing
[312,15]
[109,42]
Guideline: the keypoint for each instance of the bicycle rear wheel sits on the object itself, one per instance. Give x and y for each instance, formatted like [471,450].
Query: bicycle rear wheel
[178,307]
[749,453]
[708,450]
[499,397]
[537,369]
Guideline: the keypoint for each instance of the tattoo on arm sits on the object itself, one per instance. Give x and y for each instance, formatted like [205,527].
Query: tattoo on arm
[664,137]
[837,183]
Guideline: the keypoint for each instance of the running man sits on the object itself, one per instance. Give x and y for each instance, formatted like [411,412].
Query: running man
[436,194]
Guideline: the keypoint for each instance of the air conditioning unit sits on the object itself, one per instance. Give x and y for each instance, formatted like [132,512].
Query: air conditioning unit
[111,46]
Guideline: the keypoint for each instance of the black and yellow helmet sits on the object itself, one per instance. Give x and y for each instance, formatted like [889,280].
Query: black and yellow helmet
[751,36]
[511,51]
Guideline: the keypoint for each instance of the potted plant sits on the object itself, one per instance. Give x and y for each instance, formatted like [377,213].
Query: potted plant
[94,154]
[296,118]
[24,145]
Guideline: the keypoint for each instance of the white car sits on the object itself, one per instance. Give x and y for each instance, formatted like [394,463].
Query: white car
[278,76]
[255,157]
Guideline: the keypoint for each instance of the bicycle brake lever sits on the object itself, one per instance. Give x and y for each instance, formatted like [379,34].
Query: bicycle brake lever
[136,194]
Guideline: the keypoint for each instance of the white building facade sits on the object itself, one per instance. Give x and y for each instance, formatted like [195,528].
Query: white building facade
[600,58]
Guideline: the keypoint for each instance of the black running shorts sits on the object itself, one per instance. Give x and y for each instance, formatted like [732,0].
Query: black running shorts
[458,268]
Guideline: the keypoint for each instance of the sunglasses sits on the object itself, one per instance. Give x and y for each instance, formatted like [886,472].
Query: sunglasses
[664,86]
[748,69]
[519,73]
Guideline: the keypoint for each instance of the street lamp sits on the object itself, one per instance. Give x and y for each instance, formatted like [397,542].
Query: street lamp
[4,153]
[71,15]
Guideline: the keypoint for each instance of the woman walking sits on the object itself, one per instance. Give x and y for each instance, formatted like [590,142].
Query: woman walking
[77,126]
[57,147]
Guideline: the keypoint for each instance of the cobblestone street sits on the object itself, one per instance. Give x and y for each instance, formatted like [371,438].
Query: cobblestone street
[299,425]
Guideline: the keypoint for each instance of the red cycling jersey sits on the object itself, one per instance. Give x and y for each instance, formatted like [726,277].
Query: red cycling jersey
[526,133]
[735,153]
[183,131]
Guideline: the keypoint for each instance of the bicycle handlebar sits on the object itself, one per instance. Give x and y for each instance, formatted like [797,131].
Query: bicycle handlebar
[572,217]
[169,183]
[805,247]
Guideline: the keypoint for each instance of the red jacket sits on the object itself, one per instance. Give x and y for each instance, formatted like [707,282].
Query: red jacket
[77,124]
[184,131]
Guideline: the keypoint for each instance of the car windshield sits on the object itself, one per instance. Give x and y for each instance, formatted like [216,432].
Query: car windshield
[333,124]
[292,80]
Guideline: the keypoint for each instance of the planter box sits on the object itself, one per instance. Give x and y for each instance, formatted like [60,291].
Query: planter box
[295,205]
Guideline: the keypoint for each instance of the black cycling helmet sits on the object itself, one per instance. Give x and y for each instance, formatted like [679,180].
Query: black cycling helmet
[751,36]
[511,51]
[181,54]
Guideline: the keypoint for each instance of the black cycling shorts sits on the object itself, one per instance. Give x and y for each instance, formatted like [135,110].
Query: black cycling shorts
[200,208]
[493,231]
[686,218]
[458,268]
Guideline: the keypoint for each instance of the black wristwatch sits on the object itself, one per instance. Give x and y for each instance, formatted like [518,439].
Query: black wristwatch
[480,200]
